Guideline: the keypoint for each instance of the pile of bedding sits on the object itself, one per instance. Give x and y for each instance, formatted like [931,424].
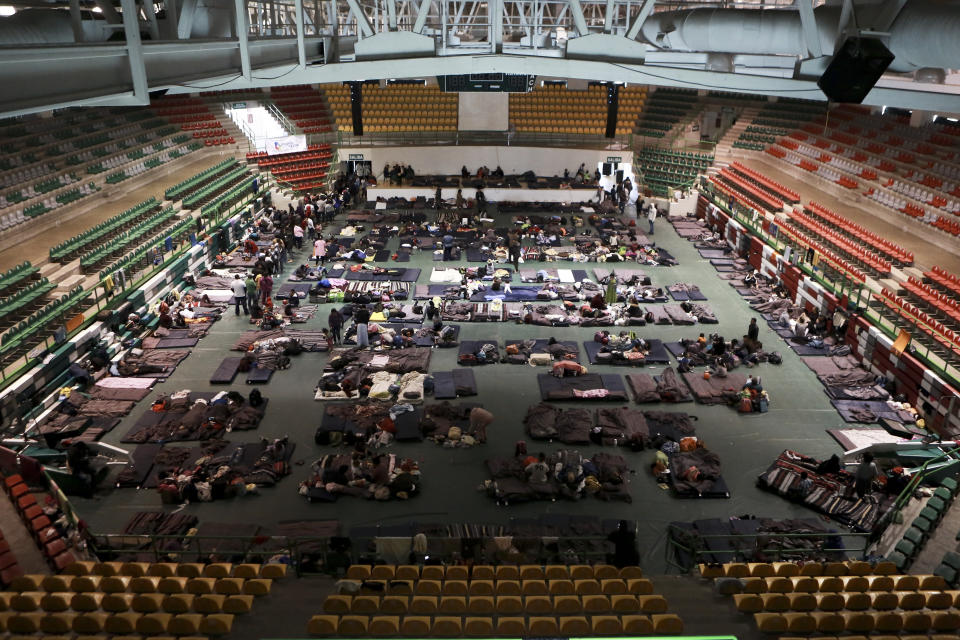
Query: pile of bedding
[572,476]
[195,415]
[831,494]
[379,477]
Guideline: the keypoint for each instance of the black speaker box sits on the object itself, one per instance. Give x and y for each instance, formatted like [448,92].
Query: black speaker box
[855,69]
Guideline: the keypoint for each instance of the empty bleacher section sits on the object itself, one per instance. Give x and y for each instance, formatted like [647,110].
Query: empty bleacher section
[45,159]
[398,107]
[219,192]
[924,526]
[557,109]
[664,168]
[496,601]
[930,303]
[103,232]
[194,117]
[305,107]
[19,339]
[119,599]
[912,170]
[664,109]
[302,171]
[837,597]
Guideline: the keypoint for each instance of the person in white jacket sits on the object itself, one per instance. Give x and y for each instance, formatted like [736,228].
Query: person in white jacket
[651,216]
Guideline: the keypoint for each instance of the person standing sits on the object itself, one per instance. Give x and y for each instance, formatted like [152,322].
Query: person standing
[251,285]
[447,246]
[361,317]
[867,472]
[652,215]
[753,331]
[624,541]
[480,419]
[266,288]
[239,288]
[298,236]
[320,250]
[335,322]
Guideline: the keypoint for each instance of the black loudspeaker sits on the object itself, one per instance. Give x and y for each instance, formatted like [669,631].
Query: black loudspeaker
[855,69]
[607,168]
[613,106]
[356,107]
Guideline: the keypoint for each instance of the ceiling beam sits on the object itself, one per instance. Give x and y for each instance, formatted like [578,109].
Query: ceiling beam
[645,10]
[363,25]
[188,10]
[422,12]
[576,12]
[243,37]
[138,69]
[809,24]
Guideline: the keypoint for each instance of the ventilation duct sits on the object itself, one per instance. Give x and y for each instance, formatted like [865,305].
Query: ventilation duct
[924,33]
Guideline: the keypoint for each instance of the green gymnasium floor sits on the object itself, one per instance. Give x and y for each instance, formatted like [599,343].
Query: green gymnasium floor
[799,414]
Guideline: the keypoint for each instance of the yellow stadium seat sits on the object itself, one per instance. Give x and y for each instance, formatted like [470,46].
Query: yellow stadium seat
[653,604]
[452,605]
[800,622]
[771,622]
[917,621]
[556,572]
[855,622]
[667,624]
[829,601]
[28,582]
[481,587]
[856,601]
[90,623]
[446,627]
[533,588]
[507,572]
[804,584]
[881,583]
[802,601]
[777,602]
[614,586]
[630,573]
[218,570]
[537,605]
[256,586]
[478,626]
[274,571]
[188,624]
[395,605]
[56,623]
[86,601]
[337,604]
[365,605]
[581,572]
[415,626]
[855,583]
[358,572]
[428,587]
[323,625]
[190,569]
[454,588]
[200,586]
[511,626]
[509,605]
[531,572]
[423,605]
[482,572]
[219,624]
[209,603]
[828,621]
[134,569]
[147,602]
[748,602]
[761,569]
[910,600]
[385,625]
[172,584]
[946,621]
[122,623]
[85,584]
[56,583]
[162,569]
[152,624]
[107,568]
[542,626]
[458,572]
[587,587]
[507,588]
[178,603]
[383,571]
[813,569]
[567,605]
[829,584]
[887,621]
[117,602]
[639,586]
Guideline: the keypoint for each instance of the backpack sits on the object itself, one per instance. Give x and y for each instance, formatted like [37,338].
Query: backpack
[256,398]
[775,358]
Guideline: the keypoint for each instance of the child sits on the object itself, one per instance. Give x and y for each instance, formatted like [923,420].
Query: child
[328,338]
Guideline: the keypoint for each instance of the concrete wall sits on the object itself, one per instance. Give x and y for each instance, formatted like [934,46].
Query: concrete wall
[484,111]
[448,160]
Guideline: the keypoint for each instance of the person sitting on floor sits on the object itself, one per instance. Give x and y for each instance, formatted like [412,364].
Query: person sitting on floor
[537,471]
[567,368]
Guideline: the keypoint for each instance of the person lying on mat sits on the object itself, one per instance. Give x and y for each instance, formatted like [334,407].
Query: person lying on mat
[568,368]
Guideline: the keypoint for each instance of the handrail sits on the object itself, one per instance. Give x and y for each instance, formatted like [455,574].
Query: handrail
[773,552]
[920,476]
[857,294]
[202,548]
[281,118]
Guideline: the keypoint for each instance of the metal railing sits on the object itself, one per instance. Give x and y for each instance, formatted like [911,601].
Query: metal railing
[770,546]
[840,285]
[319,554]
[476,138]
